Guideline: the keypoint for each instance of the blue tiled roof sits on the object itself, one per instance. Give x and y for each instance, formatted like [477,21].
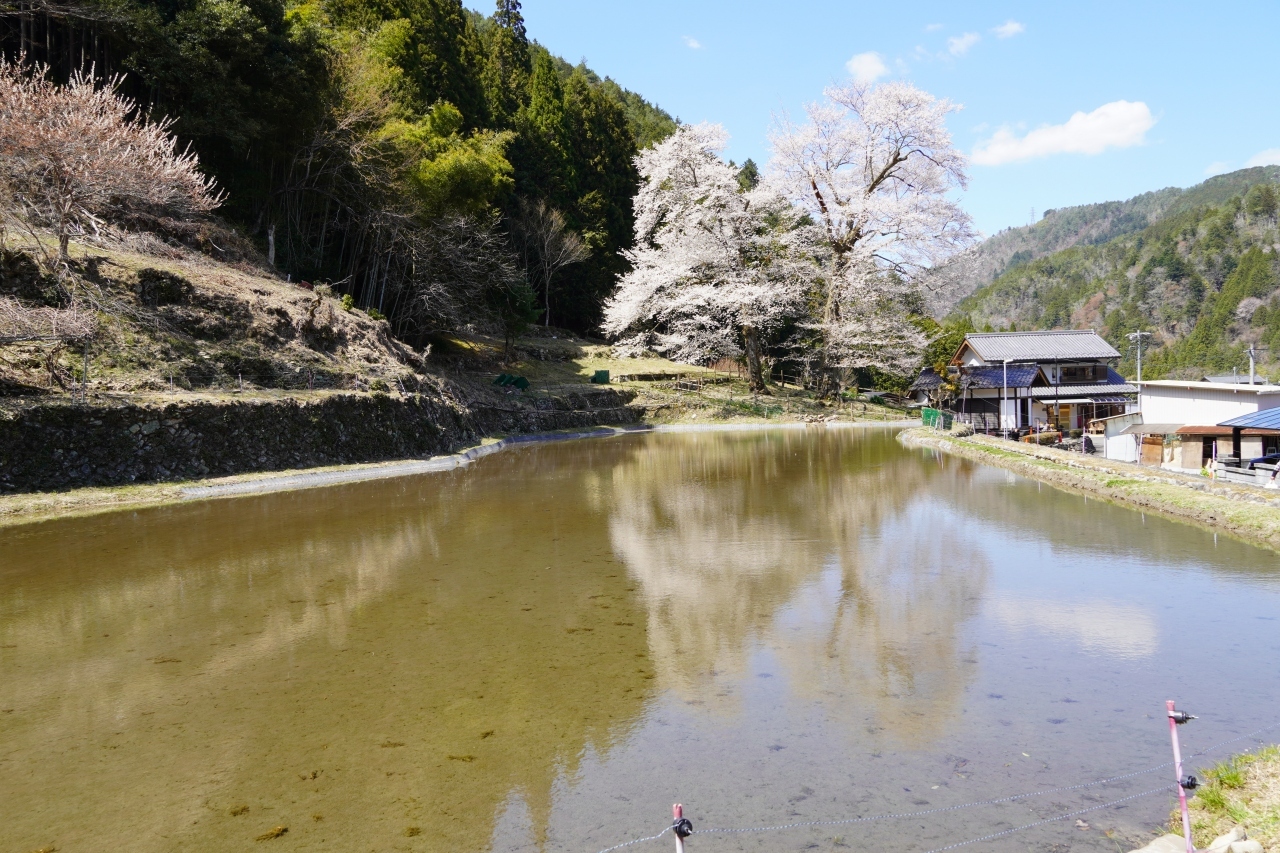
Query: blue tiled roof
[927,381]
[993,376]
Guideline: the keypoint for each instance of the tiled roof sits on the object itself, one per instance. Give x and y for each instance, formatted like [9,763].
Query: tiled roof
[1064,391]
[1040,346]
[927,381]
[993,376]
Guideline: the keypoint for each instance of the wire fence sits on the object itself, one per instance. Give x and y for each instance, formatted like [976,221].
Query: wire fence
[1171,787]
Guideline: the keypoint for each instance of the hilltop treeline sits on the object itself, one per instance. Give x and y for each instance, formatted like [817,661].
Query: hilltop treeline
[1091,225]
[1205,281]
[421,157]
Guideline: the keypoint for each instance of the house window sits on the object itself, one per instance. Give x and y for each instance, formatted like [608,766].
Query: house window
[1081,373]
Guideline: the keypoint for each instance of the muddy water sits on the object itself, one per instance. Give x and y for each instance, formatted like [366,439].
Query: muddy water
[544,651]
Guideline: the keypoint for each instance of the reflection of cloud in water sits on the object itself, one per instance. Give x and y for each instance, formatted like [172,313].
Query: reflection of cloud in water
[794,543]
[1100,627]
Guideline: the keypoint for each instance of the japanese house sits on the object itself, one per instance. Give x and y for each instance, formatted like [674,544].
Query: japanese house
[1005,381]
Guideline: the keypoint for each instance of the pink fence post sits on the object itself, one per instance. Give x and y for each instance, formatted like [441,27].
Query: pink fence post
[680,826]
[1176,717]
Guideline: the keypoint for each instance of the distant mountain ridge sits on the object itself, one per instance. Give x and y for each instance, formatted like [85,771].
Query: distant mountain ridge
[1091,225]
[1203,278]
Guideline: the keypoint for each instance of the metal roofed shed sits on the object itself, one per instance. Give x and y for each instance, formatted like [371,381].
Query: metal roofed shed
[1234,379]
[1064,345]
[1151,429]
[1263,419]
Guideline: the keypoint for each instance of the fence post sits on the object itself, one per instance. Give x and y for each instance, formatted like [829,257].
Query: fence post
[1176,718]
[681,827]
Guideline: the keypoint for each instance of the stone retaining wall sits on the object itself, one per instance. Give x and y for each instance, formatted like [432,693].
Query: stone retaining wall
[56,446]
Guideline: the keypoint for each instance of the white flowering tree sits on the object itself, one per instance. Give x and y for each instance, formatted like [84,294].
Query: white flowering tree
[714,268]
[874,167]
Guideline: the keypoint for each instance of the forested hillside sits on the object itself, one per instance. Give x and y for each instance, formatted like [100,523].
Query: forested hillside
[1204,280]
[438,165]
[1090,225]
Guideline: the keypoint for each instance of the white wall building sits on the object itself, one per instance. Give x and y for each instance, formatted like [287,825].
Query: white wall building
[1187,415]
[1202,403]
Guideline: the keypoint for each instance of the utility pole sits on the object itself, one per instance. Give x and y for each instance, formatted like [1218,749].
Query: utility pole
[1252,374]
[1137,337]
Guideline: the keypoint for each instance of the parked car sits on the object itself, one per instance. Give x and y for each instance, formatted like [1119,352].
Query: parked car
[1269,459]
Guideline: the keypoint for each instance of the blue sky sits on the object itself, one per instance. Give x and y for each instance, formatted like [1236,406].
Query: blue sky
[1185,89]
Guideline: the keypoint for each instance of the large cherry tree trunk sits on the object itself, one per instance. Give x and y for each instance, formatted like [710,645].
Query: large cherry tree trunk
[755,369]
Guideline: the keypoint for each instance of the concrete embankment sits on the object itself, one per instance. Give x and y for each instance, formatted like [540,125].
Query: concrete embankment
[49,447]
[1243,512]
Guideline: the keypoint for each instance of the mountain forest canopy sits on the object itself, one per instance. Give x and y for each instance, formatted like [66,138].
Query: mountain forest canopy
[386,147]
[1203,277]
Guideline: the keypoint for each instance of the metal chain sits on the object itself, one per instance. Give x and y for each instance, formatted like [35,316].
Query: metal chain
[942,809]
[637,841]
[1252,734]
[1051,820]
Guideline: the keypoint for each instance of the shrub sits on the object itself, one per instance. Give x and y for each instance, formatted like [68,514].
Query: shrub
[348,302]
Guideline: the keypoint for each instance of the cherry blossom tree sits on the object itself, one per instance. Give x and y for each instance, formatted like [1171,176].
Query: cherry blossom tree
[70,153]
[874,166]
[714,267]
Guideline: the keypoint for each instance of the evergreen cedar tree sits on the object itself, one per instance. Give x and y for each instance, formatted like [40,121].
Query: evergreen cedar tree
[253,85]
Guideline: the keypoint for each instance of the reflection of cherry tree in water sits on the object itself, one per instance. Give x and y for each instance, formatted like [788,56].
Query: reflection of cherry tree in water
[803,545]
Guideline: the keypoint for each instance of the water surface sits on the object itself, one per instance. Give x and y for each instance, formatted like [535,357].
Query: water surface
[545,650]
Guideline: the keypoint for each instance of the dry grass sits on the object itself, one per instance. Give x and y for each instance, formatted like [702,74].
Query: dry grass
[1243,791]
[234,322]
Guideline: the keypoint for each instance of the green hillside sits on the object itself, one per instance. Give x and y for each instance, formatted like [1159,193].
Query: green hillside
[1096,224]
[386,147]
[1203,279]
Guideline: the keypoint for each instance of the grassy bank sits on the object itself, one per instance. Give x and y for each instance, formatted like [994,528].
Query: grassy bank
[1243,791]
[1243,512]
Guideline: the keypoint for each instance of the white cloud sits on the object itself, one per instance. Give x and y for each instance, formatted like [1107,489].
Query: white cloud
[959,45]
[932,28]
[1217,167]
[1098,627]
[867,67]
[1119,124]
[1009,29]
[1270,157]
[693,43]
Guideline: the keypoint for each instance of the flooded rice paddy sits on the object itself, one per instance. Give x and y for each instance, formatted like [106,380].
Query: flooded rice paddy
[544,651]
